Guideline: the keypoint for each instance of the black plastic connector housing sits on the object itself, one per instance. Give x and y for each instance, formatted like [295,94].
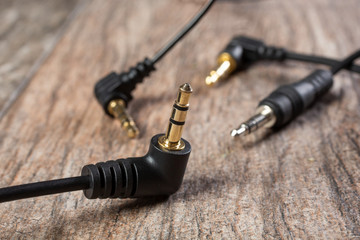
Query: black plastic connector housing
[119,86]
[246,51]
[243,50]
[288,101]
[158,173]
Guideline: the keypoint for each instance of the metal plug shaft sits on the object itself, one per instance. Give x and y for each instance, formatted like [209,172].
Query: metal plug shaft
[117,109]
[265,117]
[226,65]
[172,139]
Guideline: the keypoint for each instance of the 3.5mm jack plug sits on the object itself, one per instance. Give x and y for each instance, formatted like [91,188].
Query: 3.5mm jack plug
[287,102]
[172,139]
[114,91]
[242,52]
[159,173]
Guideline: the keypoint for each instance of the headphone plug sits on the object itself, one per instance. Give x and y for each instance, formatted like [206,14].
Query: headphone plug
[238,55]
[172,141]
[226,65]
[113,92]
[242,52]
[287,102]
[159,173]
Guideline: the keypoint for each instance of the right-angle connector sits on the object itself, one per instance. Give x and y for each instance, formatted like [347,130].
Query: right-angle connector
[287,102]
[159,173]
[242,52]
[238,55]
[114,92]
[119,87]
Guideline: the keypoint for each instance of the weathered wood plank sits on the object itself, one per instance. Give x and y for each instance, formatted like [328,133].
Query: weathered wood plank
[300,182]
[28,32]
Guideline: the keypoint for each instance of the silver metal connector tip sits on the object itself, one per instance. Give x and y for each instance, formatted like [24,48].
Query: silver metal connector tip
[241,131]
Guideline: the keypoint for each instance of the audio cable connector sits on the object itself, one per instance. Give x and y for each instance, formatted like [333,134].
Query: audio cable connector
[239,54]
[242,52]
[226,65]
[172,139]
[115,90]
[264,117]
[159,173]
[289,101]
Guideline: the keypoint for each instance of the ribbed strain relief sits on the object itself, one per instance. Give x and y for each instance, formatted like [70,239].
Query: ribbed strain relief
[290,100]
[137,74]
[272,53]
[120,86]
[322,80]
[111,179]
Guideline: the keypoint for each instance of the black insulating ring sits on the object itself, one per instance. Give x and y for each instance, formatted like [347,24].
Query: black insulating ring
[180,108]
[176,122]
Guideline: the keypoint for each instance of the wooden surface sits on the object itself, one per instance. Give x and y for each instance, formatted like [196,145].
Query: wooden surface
[28,32]
[300,182]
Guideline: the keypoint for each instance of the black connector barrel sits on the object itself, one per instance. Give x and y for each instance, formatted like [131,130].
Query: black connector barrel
[288,101]
[244,50]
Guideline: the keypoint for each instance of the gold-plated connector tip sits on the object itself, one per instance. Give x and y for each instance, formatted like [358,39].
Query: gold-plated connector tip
[118,110]
[265,117]
[171,141]
[226,65]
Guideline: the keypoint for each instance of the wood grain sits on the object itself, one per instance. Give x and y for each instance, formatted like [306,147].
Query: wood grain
[302,182]
[28,32]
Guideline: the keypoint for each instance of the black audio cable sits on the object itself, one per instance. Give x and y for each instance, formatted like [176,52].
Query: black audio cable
[244,51]
[159,172]
[113,92]
[289,101]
